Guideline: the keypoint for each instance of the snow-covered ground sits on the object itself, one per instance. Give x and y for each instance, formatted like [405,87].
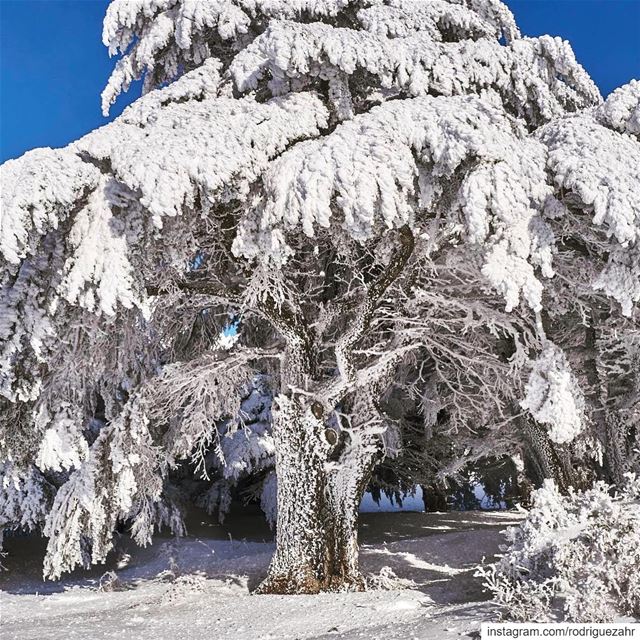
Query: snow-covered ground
[199,586]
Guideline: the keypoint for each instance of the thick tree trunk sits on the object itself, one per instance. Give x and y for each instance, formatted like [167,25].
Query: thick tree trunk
[318,500]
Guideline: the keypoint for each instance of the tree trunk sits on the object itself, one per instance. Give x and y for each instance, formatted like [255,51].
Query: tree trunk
[434,498]
[547,458]
[616,455]
[318,500]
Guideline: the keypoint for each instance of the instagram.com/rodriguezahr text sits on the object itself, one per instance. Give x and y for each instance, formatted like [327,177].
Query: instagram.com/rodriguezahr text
[559,630]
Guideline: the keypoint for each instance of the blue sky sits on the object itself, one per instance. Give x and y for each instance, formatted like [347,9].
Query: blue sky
[53,65]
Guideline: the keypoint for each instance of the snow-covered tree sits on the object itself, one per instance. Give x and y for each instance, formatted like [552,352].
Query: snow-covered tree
[343,199]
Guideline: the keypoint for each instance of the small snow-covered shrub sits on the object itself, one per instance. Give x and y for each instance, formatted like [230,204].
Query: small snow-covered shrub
[574,558]
[387,580]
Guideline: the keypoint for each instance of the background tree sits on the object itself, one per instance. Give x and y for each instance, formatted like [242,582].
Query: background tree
[366,192]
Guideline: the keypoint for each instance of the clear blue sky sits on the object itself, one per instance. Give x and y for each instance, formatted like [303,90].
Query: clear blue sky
[54,66]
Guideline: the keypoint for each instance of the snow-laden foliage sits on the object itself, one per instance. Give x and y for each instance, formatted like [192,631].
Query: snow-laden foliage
[120,478]
[553,396]
[214,148]
[194,397]
[244,450]
[24,497]
[39,191]
[525,76]
[401,18]
[249,449]
[99,251]
[377,214]
[621,110]
[581,154]
[158,38]
[367,170]
[574,558]
[228,148]
[63,445]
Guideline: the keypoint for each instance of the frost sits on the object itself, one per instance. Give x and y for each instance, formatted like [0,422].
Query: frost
[38,191]
[193,397]
[620,279]
[367,168]
[99,252]
[403,18]
[214,148]
[153,39]
[63,447]
[108,486]
[621,110]
[573,559]
[599,169]
[158,38]
[525,74]
[23,497]
[202,83]
[553,396]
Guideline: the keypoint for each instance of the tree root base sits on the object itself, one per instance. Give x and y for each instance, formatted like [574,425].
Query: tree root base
[305,582]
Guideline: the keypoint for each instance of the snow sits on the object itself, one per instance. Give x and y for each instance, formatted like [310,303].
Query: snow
[621,110]
[159,38]
[553,397]
[601,169]
[62,447]
[526,75]
[22,496]
[408,16]
[558,564]
[366,169]
[39,190]
[216,146]
[198,586]
[100,255]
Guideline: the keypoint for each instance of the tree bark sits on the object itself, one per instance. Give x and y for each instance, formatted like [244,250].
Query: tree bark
[616,455]
[546,457]
[318,500]
[434,498]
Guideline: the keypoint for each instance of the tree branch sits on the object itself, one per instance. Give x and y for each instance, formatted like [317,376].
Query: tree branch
[365,310]
[290,322]
[198,284]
